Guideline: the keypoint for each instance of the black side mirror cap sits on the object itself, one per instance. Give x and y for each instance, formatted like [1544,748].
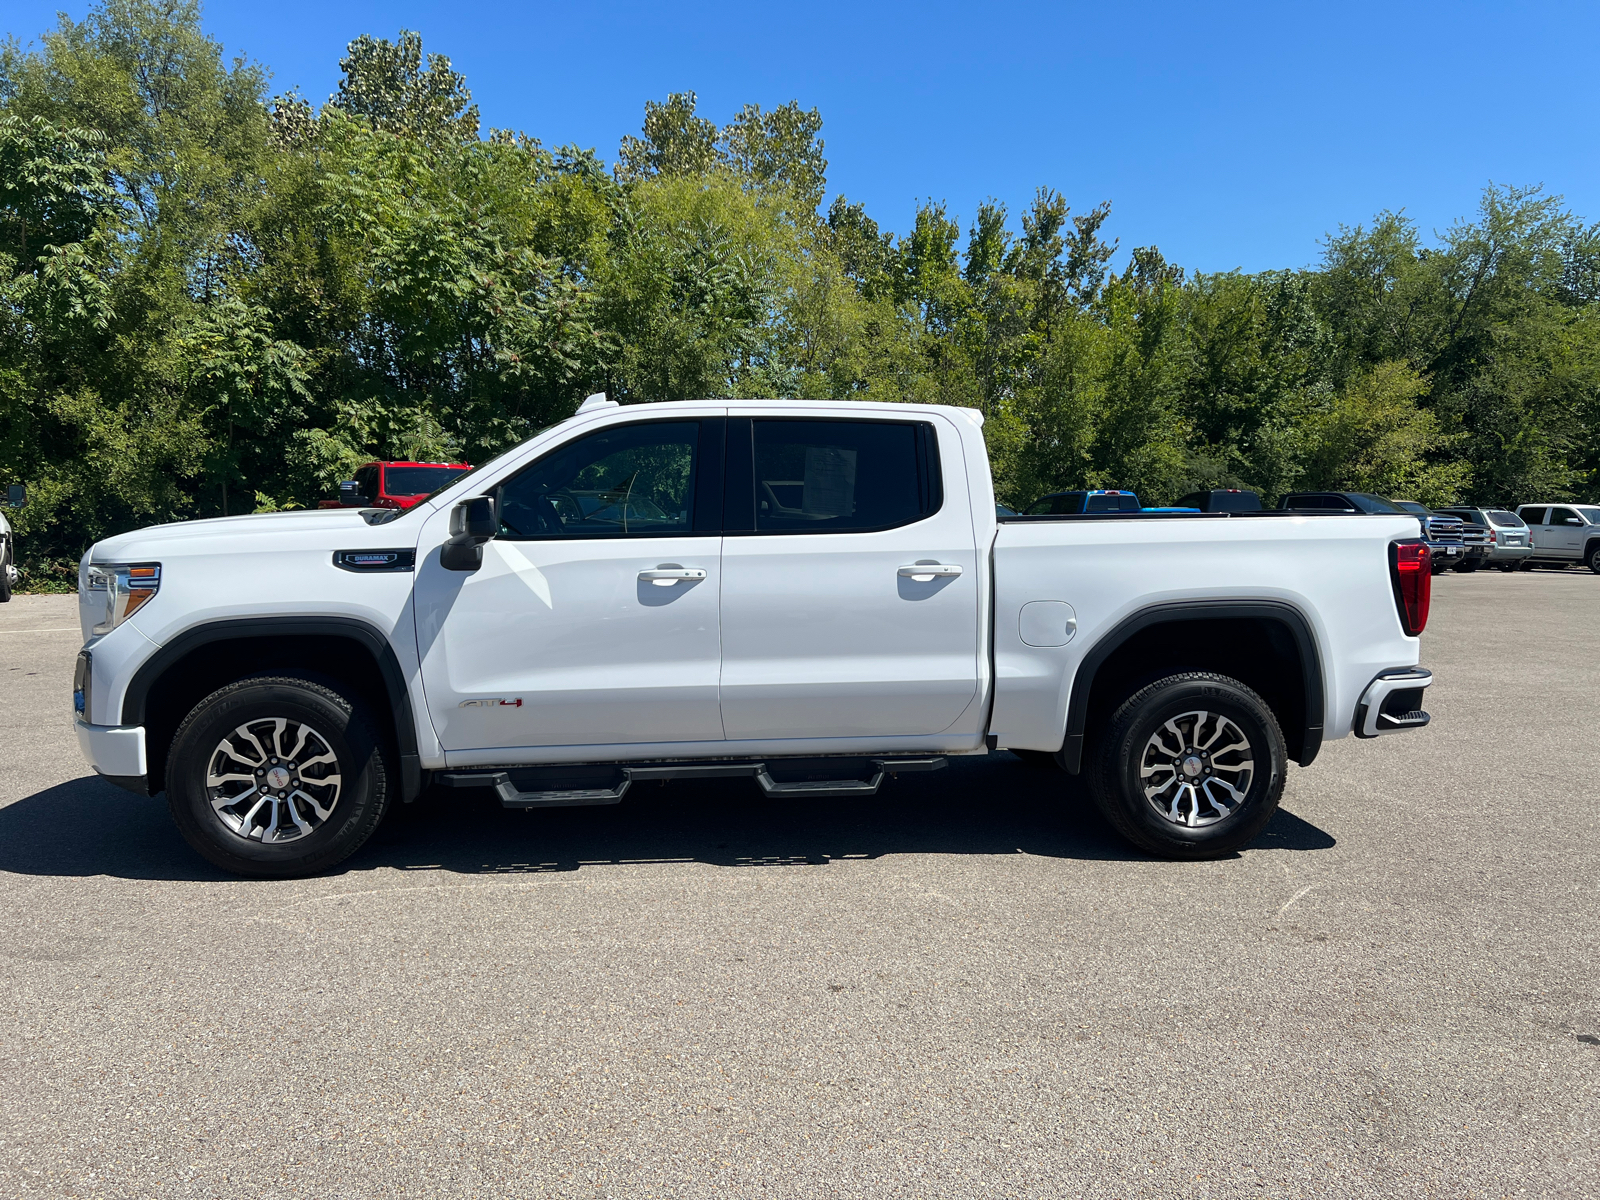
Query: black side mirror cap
[16,495]
[472,523]
[350,495]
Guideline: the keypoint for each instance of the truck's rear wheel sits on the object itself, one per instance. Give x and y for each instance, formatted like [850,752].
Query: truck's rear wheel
[1594,559]
[1191,767]
[277,777]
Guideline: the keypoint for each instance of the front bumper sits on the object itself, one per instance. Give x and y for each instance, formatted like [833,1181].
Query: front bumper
[115,751]
[1392,703]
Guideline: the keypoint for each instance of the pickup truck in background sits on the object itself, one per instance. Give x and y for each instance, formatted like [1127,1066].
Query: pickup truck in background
[810,594]
[1444,535]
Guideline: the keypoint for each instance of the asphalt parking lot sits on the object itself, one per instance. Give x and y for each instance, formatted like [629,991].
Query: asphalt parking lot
[967,987]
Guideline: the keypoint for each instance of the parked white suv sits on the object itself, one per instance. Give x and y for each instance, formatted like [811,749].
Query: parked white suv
[813,595]
[1564,533]
[16,496]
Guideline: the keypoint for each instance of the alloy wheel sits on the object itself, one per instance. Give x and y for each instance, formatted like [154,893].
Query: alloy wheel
[273,780]
[1196,768]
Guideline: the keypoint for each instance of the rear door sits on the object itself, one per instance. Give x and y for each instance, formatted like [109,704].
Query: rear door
[829,629]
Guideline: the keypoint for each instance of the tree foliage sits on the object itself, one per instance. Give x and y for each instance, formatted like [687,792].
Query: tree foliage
[213,301]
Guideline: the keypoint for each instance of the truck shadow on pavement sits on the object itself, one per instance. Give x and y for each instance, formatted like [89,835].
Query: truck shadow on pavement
[994,805]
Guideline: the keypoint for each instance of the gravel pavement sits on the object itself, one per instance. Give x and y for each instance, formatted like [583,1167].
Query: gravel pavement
[965,987]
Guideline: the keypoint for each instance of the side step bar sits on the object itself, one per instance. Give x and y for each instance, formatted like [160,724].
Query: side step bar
[513,797]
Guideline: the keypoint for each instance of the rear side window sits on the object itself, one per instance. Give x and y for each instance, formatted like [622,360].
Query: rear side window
[820,476]
[1335,503]
[1533,516]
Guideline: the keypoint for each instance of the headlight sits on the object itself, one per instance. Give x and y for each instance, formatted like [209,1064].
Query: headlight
[126,590]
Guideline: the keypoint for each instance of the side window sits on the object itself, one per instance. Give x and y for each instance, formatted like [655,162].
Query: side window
[1560,516]
[367,482]
[626,481]
[819,476]
[1532,516]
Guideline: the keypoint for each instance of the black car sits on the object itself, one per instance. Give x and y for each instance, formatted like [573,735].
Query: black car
[1223,500]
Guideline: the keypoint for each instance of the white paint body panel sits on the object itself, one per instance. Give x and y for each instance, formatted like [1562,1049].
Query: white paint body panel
[1334,570]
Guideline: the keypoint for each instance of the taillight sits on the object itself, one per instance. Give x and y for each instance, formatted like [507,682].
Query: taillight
[1411,569]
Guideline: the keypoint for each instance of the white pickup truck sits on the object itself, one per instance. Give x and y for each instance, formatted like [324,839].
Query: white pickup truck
[811,594]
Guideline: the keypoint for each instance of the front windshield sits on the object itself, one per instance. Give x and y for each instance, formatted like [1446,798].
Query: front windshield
[1504,519]
[1589,513]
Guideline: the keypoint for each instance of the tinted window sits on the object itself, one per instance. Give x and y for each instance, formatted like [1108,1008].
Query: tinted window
[1368,503]
[626,481]
[1240,501]
[1314,500]
[1504,519]
[843,476]
[1560,516]
[367,482]
[1533,516]
[1412,507]
[418,481]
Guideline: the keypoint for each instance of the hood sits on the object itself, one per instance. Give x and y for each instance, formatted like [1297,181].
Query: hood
[183,536]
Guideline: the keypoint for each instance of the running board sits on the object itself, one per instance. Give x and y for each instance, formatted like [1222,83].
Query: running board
[513,797]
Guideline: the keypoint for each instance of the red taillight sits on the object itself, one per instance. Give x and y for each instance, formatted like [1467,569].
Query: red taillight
[1411,568]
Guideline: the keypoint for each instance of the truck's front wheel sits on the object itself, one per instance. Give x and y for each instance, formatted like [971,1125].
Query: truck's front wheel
[277,777]
[1191,767]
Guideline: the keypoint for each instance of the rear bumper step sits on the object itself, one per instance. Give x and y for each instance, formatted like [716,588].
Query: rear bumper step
[511,796]
[1392,703]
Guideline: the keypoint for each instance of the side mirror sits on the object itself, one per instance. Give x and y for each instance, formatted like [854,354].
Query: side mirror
[16,495]
[472,523]
[1573,521]
[350,494]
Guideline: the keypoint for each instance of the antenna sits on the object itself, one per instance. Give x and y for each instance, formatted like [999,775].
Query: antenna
[598,400]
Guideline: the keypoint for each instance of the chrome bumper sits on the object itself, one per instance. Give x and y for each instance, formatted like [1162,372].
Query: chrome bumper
[1392,703]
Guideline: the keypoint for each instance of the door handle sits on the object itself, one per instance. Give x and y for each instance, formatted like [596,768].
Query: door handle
[667,575]
[926,572]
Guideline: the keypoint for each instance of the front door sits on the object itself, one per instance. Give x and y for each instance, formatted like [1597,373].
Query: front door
[829,630]
[1563,534]
[593,619]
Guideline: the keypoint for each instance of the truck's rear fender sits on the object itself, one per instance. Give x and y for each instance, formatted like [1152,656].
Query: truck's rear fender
[344,651]
[1265,644]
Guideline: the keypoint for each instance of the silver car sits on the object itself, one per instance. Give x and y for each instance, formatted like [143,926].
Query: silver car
[1564,533]
[1513,543]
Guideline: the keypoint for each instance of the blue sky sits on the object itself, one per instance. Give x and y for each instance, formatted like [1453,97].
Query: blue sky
[1228,135]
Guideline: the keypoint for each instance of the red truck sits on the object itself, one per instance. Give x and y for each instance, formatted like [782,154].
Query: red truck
[394,484]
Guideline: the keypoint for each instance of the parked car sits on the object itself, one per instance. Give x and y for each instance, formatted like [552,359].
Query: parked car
[1223,500]
[1563,533]
[1510,544]
[1443,534]
[1102,500]
[1476,539]
[16,497]
[821,596]
[396,484]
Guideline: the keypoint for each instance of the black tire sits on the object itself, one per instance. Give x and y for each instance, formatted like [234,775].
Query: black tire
[351,734]
[5,572]
[1594,559]
[1469,565]
[1039,760]
[1114,774]
[1508,567]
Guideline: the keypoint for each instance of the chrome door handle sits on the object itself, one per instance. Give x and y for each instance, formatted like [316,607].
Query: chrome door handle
[669,576]
[924,572]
